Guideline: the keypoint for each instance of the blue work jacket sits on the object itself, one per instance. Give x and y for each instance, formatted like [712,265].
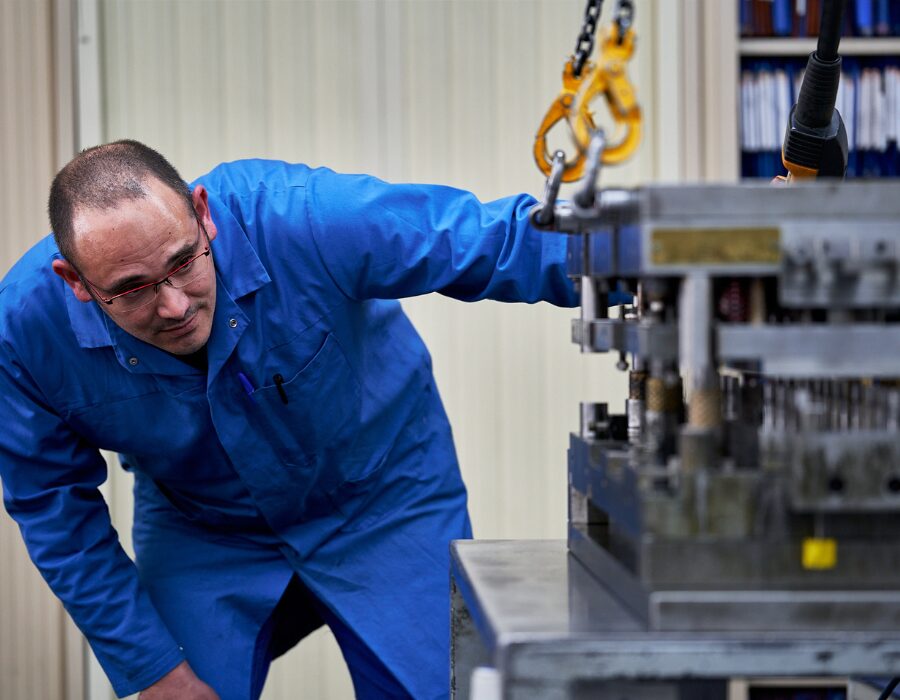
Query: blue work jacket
[355,474]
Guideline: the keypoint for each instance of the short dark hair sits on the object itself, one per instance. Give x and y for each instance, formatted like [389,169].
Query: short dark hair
[101,178]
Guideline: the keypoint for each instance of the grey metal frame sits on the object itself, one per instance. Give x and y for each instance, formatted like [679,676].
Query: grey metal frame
[530,610]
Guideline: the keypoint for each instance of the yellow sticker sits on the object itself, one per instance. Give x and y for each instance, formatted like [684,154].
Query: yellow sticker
[819,553]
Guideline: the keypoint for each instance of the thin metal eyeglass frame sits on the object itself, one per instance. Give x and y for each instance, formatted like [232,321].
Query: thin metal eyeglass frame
[165,280]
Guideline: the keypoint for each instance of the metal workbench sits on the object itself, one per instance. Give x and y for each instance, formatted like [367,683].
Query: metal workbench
[551,630]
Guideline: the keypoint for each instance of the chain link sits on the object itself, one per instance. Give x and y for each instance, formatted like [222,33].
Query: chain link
[585,44]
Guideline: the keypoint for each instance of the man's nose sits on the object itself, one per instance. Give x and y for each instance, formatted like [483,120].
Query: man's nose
[171,303]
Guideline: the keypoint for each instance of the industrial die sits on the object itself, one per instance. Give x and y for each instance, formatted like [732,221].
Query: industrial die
[752,480]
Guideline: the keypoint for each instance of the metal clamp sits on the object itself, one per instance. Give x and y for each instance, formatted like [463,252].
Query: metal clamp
[586,196]
[542,214]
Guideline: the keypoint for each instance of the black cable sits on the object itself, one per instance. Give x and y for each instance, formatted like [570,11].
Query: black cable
[830,29]
[889,689]
[815,103]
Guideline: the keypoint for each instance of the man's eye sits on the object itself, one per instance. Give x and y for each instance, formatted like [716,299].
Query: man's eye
[184,267]
[134,293]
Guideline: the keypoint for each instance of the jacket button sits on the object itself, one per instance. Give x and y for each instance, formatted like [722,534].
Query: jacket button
[232,322]
[132,361]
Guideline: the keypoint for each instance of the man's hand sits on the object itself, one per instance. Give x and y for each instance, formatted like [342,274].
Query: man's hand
[179,684]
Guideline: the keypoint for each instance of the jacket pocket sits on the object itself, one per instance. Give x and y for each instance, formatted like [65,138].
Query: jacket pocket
[312,412]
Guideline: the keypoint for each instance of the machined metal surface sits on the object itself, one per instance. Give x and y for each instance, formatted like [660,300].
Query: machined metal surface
[800,350]
[814,350]
[712,597]
[713,521]
[549,627]
[832,243]
[659,341]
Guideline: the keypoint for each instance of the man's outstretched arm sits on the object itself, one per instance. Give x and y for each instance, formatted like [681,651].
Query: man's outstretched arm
[381,240]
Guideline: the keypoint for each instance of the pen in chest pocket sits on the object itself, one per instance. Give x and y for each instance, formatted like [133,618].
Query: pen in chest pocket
[248,387]
[279,384]
[276,378]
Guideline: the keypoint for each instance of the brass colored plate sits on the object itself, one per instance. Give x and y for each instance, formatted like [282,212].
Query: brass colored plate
[715,246]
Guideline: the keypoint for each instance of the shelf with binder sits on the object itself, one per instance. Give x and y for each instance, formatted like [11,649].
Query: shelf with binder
[868,100]
[772,55]
[772,39]
[801,18]
[797,46]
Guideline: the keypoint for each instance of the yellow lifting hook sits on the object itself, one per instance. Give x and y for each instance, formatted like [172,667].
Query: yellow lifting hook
[607,78]
[610,80]
[560,110]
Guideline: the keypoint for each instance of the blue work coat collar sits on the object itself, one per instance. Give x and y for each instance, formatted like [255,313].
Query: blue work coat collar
[239,272]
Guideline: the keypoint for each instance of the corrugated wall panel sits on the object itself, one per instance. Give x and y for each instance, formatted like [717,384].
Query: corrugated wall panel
[410,90]
[34,131]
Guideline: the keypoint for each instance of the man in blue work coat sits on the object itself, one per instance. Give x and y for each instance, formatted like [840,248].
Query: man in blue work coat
[238,343]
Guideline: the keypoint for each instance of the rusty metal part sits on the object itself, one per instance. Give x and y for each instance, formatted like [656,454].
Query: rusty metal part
[704,408]
[663,396]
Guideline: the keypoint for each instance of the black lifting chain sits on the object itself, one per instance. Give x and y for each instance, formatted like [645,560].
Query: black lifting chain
[585,44]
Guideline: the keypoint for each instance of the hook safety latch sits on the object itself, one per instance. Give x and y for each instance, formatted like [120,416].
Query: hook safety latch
[561,110]
[610,80]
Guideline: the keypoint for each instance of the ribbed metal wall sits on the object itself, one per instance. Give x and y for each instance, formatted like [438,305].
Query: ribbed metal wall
[410,90]
[40,658]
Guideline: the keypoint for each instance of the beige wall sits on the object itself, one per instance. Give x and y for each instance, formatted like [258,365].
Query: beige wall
[410,90]
[40,655]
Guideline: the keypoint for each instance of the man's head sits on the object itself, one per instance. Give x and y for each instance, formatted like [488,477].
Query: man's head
[123,218]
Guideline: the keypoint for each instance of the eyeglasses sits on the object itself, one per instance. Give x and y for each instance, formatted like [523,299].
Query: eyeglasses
[142,296]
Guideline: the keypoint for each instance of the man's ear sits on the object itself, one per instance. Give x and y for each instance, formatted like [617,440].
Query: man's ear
[200,199]
[64,269]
